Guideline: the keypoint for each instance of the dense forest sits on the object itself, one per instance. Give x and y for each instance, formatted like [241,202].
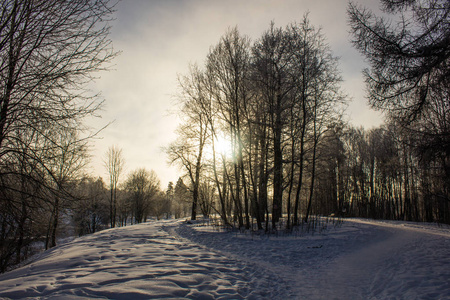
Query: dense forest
[263,144]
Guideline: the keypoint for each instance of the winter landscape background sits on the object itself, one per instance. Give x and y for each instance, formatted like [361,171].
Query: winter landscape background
[201,149]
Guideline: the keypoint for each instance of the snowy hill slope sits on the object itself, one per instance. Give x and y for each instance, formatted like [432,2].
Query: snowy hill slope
[362,259]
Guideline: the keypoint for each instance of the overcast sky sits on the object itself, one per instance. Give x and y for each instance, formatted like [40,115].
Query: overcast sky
[160,38]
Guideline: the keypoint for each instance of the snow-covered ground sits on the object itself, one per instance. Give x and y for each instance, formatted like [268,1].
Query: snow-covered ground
[361,259]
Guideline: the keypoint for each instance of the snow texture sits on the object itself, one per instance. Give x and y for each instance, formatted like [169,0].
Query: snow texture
[361,259]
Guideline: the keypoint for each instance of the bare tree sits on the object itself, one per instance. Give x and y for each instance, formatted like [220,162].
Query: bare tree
[228,65]
[189,157]
[271,62]
[142,186]
[188,150]
[114,164]
[49,51]
[299,80]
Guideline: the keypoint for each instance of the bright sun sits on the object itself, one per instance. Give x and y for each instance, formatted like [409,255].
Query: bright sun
[222,146]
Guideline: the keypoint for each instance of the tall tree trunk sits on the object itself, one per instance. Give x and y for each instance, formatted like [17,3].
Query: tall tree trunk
[253,175]
[407,198]
[311,188]
[277,166]
[313,172]
[291,181]
[242,171]
[237,195]
[263,180]
[301,162]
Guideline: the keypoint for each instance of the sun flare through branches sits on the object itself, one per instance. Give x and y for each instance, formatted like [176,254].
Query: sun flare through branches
[223,146]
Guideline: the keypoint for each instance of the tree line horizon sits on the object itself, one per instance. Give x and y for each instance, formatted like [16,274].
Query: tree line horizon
[262,144]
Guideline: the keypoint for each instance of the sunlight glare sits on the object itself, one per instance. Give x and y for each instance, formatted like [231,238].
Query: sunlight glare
[222,146]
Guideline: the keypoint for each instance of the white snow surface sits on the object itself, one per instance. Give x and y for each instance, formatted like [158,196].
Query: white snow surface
[361,259]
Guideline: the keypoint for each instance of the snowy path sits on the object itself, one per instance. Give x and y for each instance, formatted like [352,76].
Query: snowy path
[170,259]
[135,262]
[363,259]
[403,262]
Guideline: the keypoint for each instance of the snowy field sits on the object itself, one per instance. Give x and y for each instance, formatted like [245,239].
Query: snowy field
[361,259]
